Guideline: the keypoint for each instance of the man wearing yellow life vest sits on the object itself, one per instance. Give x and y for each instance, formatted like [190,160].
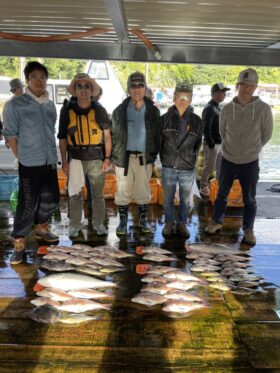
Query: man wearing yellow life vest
[83,125]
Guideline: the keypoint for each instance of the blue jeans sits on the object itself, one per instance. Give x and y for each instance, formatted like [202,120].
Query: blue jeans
[185,180]
[248,175]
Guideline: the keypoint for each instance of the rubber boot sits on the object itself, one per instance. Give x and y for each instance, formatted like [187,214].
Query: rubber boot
[122,227]
[142,212]
[19,246]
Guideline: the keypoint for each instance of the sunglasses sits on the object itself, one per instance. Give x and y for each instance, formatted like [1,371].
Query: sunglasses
[186,98]
[83,86]
[135,86]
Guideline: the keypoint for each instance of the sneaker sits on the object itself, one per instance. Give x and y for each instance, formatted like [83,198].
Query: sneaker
[42,233]
[183,230]
[249,237]
[205,191]
[18,254]
[168,229]
[74,232]
[101,230]
[213,228]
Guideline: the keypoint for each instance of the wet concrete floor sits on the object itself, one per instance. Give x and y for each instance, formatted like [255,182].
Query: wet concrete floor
[236,333]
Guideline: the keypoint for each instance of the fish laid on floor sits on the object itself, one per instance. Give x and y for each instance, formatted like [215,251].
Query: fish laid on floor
[180,306]
[41,301]
[77,318]
[211,248]
[198,255]
[89,271]
[56,255]
[182,285]
[158,258]
[151,250]
[182,295]
[180,275]
[233,258]
[77,260]
[119,254]
[160,269]
[44,314]
[230,264]
[82,305]
[220,286]
[206,268]
[81,253]
[88,294]
[106,262]
[72,281]
[54,294]
[148,299]
[56,265]
[62,249]
[111,269]
[206,261]
[156,287]
[153,277]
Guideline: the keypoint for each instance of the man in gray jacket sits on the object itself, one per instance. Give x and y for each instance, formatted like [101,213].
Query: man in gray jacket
[245,127]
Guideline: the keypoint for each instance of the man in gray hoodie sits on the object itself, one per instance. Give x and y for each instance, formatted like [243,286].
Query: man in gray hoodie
[245,127]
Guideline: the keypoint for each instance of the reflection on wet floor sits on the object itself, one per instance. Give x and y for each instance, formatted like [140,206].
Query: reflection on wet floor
[235,333]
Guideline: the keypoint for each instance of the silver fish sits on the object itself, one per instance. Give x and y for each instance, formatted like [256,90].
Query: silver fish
[211,248]
[203,261]
[56,255]
[42,301]
[54,294]
[88,294]
[220,286]
[198,255]
[181,285]
[56,265]
[72,281]
[155,250]
[80,253]
[230,264]
[44,314]
[89,271]
[153,277]
[106,262]
[234,258]
[160,269]
[76,260]
[207,268]
[156,287]
[181,306]
[81,305]
[119,254]
[111,269]
[245,277]
[158,258]
[182,295]
[77,318]
[62,249]
[180,275]
[149,299]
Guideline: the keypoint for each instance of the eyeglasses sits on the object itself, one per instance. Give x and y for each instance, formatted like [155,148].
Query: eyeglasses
[135,86]
[83,86]
[186,98]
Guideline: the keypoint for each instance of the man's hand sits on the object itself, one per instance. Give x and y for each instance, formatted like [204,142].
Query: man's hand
[106,164]
[65,168]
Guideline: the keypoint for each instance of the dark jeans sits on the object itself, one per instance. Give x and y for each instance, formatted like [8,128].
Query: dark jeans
[248,175]
[38,197]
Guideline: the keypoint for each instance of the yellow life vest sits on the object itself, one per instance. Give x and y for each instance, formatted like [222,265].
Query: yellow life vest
[83,129]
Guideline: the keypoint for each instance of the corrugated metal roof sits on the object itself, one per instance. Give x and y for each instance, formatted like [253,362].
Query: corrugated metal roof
[198,29]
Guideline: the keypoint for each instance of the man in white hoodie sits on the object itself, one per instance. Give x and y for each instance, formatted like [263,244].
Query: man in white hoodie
[245,127]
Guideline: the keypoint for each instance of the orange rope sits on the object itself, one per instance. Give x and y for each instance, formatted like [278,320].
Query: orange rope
[46,39]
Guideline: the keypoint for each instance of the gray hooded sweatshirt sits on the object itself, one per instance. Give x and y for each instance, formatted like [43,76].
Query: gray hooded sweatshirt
[245,130]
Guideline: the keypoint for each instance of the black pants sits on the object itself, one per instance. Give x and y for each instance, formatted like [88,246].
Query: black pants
[248,175]
[38,197]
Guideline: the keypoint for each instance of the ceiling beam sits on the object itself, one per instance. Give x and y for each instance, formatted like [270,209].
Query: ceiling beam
[138,52]
[116,13]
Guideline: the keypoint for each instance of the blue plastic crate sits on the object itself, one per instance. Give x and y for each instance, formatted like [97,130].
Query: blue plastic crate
[8,183]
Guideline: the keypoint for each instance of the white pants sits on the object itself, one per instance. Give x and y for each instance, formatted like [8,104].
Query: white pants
[135,184]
